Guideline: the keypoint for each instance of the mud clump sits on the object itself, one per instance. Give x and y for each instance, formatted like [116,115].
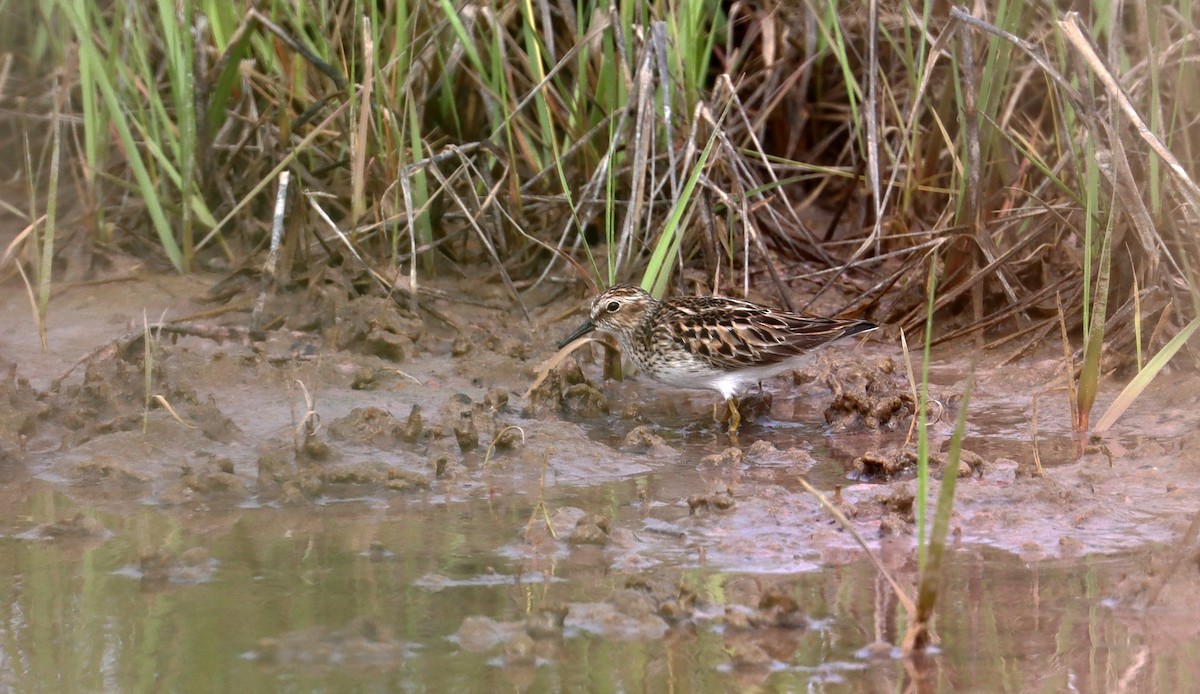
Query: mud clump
[19,407]
[794,460]
[893,463]
[875,466]
[461,429]
[757,637]
[375,426]
[478,634]
[105,469]
[626,615]
[70,527]
[507,438]
[298,476]
[164,565]
[510,346]
[1026,468]
[546,622]
[414,425]
[376,326]
[867,395]
[750,407]
[776,609]
[496,400]
[730,457]
[478,425]
[544,533]
[363,643]
[896,512]
[642,439]
[208,418]
[566,391]
[458,417]
[109,400]
[592,529]
[289,475]
[585,401]
[113,398]
[716,501]
[376,472]
[215,477]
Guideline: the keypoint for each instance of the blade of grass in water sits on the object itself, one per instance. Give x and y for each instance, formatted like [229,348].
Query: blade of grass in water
[1145,376]
[930,582]
[922,410]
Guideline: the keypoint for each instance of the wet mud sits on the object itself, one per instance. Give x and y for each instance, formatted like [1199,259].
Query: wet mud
[405,447]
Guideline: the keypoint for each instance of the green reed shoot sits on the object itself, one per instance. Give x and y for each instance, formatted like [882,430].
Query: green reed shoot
[46,262]
[666,250]
[1140,382]
[933,554]
[923,415]
[104,68]
[1089,374]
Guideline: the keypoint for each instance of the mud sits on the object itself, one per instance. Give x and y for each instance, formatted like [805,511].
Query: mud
[405,440]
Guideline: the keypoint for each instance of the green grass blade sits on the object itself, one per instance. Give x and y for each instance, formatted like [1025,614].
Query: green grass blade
[1089,375]
[658,272]
[88,51]
[922,423]
[1139,383]
[931,572]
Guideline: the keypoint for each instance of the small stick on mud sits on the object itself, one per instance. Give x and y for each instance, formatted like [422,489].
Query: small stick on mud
[541,503]
[910,608]
[557,359]
[1033,437]
[310,423]
[166,405]
[487,457]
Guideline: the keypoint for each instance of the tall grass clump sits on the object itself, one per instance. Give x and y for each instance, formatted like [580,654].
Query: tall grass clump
[817,150]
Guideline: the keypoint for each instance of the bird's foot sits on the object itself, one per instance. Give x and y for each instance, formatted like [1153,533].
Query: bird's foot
[736,410]
[727,413]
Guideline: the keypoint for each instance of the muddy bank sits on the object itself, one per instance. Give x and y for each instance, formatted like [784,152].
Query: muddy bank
[356,398]
[381,415]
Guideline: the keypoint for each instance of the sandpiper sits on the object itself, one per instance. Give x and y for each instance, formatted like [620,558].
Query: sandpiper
[709,342]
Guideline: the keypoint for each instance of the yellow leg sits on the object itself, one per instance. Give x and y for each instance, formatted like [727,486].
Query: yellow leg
[735,417]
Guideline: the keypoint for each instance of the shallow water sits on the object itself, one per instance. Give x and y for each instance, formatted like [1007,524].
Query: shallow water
[77,614]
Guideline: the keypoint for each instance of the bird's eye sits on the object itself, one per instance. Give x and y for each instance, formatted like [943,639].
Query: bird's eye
[613,306]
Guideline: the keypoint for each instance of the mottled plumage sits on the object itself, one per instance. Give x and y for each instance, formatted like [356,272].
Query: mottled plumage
[709,342]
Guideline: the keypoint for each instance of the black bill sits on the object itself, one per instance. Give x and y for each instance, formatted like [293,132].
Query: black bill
[587,327]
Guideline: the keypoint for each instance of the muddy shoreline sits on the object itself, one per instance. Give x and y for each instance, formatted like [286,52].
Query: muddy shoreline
[367,411]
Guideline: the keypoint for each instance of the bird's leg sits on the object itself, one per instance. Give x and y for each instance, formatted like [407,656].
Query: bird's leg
[728,412]
[735,417]
[720,412]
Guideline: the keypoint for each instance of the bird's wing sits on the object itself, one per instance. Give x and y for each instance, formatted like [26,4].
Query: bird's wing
[730,333]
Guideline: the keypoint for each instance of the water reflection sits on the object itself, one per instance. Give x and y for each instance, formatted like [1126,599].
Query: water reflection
[368,596]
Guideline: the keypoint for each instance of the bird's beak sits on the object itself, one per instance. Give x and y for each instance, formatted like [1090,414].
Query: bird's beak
[587,327]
